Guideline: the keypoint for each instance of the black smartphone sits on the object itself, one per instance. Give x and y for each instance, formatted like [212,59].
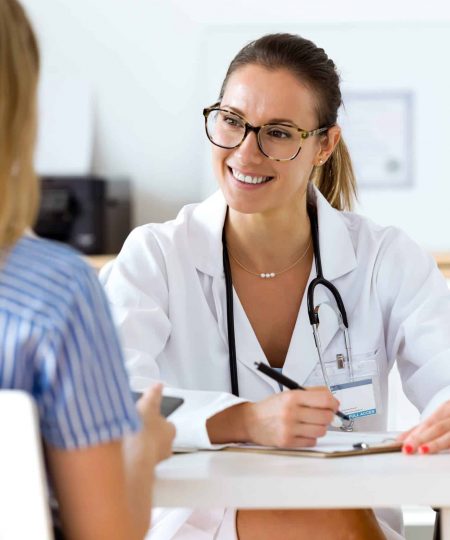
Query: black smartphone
[169,404]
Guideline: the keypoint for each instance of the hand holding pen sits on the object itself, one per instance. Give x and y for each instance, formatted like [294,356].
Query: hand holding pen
[285,419]
[292,385]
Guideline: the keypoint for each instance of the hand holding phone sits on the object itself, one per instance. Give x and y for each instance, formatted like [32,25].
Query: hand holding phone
[157,434]
[168,403]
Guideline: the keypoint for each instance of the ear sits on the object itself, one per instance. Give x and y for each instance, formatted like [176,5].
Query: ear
[328,143]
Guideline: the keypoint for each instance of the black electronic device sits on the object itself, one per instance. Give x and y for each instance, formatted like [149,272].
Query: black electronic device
[169,404]
[90,213]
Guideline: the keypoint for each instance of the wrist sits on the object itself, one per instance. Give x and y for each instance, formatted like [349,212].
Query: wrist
[230,425]
[141,449]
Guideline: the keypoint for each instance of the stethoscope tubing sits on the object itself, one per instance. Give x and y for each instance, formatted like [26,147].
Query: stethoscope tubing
[312,312]
[230,318]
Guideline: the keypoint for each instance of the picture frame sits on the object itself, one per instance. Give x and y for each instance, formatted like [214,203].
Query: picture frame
[378,130]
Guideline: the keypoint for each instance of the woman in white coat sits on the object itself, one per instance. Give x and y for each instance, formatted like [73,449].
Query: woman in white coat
[276,150]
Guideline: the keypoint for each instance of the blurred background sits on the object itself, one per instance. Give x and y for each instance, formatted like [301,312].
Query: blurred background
[124,84]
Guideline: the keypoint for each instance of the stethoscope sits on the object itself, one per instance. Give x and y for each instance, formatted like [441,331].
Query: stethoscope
[313,311]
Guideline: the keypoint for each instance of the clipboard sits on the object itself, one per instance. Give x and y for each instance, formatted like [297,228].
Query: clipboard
[333,445]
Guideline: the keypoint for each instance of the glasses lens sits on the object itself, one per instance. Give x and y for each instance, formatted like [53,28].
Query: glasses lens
[225,128]
[280,142]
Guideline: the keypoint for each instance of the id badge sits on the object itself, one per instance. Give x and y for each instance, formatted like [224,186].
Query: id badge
[357,398]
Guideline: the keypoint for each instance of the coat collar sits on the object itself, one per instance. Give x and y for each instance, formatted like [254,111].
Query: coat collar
[338,258]
[205,237]
[205,234]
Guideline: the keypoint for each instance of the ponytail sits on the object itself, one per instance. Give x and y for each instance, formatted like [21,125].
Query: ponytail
[312,67]
[336,179]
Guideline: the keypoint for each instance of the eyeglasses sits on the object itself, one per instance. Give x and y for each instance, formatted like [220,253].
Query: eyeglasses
[277,141]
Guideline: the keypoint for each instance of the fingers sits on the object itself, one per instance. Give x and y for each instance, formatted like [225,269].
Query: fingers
[310,407]
[437,445]
[303,442]
[314,416]
[442,413]
[309,431]
[157,432]
[403,436]
[152,396]
[310,412]
[292,436]
[431,436]
[428,438]
[303,419]
[317,398]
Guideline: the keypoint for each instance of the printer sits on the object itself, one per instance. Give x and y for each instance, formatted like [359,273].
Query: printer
[90,213]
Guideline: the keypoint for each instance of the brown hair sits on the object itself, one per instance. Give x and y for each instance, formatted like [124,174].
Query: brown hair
[19,68]
[311,65]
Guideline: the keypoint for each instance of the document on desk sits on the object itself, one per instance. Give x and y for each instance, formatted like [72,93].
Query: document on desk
[333,444]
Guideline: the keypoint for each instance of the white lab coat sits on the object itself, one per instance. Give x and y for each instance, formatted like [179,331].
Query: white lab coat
[167,291]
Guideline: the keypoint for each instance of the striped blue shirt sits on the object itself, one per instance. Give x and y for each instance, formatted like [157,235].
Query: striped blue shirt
[58,342]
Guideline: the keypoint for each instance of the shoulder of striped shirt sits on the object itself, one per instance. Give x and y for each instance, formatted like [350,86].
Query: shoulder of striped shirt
[42,251]
[49,262]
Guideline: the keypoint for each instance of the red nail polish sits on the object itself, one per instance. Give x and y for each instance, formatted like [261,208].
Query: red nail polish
[424,449]
[408,449]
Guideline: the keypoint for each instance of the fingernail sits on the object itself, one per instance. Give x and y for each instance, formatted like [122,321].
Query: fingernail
[424,449]
[408,449]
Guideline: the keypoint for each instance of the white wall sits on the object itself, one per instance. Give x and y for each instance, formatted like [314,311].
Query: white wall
[379,57]
[150,65]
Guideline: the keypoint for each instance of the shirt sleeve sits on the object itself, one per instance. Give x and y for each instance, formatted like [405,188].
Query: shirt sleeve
[416,309]
[82,387]
[137,287]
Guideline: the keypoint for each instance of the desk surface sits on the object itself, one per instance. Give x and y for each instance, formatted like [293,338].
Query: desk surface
[245,480]
[443,261]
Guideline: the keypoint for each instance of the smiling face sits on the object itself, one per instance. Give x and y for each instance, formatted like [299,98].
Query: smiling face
[265,96]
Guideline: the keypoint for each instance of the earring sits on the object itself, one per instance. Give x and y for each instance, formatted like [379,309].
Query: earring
[320,161]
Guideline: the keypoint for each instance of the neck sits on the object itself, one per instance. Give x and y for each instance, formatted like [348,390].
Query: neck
[276,237]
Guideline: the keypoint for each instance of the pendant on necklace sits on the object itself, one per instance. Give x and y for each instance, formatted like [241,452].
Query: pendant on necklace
[270,275]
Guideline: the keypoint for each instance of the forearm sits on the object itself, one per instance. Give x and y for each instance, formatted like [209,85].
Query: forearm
[329,524]
[294,418]
[230,425]
[140,461]
[91,488]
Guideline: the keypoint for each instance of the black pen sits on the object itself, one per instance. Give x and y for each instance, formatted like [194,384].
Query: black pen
[288,383]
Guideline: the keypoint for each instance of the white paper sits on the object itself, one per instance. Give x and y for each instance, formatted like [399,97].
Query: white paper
[335,441]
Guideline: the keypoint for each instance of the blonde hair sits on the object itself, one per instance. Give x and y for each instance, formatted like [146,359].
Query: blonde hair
[310,64]
[19,69]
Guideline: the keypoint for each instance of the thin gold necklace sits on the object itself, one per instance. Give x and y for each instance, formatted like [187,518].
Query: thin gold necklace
[266,275]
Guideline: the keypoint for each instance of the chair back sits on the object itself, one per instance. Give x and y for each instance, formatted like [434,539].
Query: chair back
[24,509]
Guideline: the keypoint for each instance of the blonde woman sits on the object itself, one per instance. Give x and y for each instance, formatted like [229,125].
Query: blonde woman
[57,340]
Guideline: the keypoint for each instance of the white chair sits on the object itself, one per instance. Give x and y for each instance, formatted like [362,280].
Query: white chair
[24,510]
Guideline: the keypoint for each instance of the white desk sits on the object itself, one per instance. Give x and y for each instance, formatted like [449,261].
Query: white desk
[216,479]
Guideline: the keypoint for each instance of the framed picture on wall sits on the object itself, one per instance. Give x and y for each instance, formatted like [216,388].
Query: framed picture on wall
[378,130]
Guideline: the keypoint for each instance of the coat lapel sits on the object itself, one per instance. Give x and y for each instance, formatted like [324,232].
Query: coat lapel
[338,258]
[302,355]
[248,348]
